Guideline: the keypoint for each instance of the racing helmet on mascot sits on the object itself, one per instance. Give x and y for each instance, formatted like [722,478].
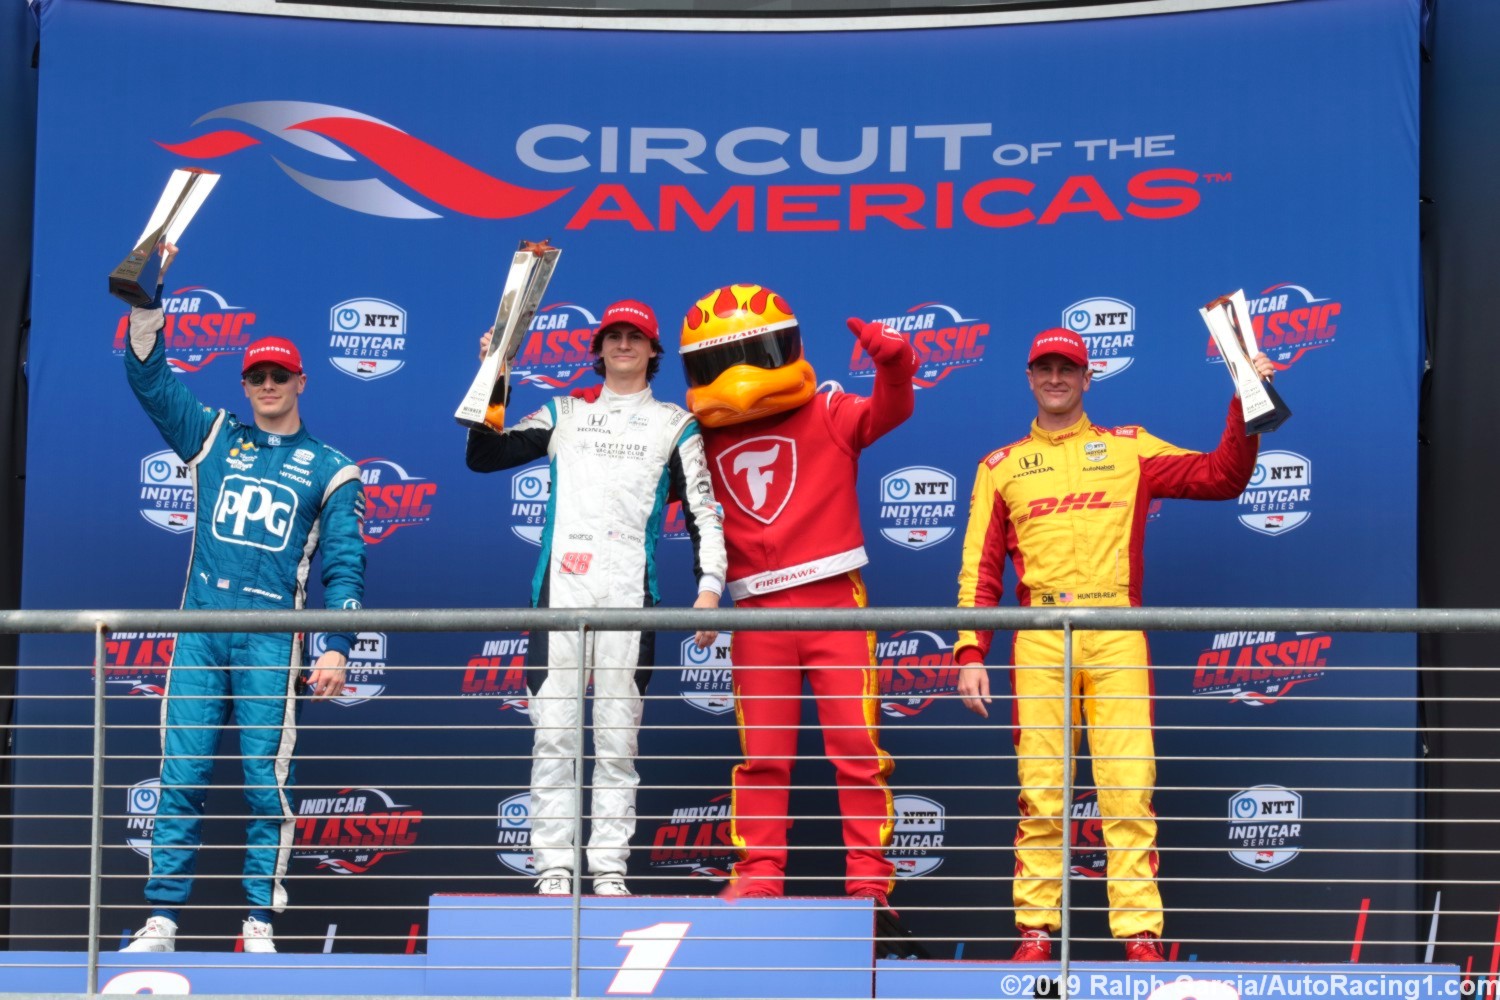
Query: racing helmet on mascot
[742,355]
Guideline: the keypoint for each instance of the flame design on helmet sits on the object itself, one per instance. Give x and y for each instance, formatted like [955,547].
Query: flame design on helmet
[743,392]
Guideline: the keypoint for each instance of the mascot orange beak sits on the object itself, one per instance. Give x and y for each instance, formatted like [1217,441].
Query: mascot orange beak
[744,392]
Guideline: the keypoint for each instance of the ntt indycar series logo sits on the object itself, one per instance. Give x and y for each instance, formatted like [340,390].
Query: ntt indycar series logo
[1279,497]
[916,669]
[916,506]
[708,675]
[167,492]
[555,353]
[1260,668]
[353,830]
[364,674]
[201,326]
[368,338]
[695,839]
[141,802]
[513,820]
[499,671]
[1289,321]
[1265,826]
[138,661]
[394,498]
[917,838]
[530,489]
[862,173]
[1107,327]
[944,339]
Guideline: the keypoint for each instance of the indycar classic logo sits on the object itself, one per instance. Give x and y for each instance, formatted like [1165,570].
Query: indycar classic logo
[916,670]
[1289,321]
[359,162]
[917,838]
[1107,326]
[916,506]
[555,353]
[394,499]
[1279,496]
[513,820]
[499,671]
[138,661]
[167,499]
[200,326]
[1265,826]
[708,675]
[944,339]
[353,830]
[364,674]
[368,338]
[530,489]
[1090,859]
[1260,668]
[696,839]
[141,802]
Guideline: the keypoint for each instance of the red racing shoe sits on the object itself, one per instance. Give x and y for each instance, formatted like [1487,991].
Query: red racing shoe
[1036,945]
[1144,947]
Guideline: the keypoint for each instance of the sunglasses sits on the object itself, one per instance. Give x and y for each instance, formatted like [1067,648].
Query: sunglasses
[278,375]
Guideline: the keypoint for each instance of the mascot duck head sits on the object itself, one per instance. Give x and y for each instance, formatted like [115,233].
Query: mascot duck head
[742,354]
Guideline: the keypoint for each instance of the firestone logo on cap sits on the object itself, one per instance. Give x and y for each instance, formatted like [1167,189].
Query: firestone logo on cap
[1059,341]
[273,350]
[637,314]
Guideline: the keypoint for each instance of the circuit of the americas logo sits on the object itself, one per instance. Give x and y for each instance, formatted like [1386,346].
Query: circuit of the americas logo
[353,830]
[1265,826]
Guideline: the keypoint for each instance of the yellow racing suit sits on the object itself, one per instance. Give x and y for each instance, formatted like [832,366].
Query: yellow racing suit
[1069,508]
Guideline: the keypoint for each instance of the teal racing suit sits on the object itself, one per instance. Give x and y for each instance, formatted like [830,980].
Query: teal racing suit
[265,503]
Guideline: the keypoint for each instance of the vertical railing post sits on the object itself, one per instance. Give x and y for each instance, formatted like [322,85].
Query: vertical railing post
[96,812]
[1065,948]
[578,849]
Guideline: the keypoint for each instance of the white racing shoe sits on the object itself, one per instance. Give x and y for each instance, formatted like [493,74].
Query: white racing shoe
[159,934]
[610,885]
[555,882]
[256,935]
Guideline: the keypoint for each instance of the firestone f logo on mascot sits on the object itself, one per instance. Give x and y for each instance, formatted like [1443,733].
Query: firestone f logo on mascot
[786,458]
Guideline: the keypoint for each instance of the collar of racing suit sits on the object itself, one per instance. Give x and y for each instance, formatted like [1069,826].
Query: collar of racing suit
[1058,437]
[265,439]
[624,401]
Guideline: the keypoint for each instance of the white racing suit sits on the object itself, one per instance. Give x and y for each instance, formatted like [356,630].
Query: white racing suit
[613,462]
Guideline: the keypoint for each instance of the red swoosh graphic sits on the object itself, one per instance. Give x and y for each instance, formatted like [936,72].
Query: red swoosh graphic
[212,145]
[433,173]
[553,383]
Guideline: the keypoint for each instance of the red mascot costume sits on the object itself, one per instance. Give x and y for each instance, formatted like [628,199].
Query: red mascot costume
[784,459]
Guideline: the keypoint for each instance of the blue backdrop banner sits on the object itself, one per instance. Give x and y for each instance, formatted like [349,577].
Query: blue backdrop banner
[970,184]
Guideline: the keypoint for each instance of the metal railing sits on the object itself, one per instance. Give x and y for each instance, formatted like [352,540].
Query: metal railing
[101,624]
